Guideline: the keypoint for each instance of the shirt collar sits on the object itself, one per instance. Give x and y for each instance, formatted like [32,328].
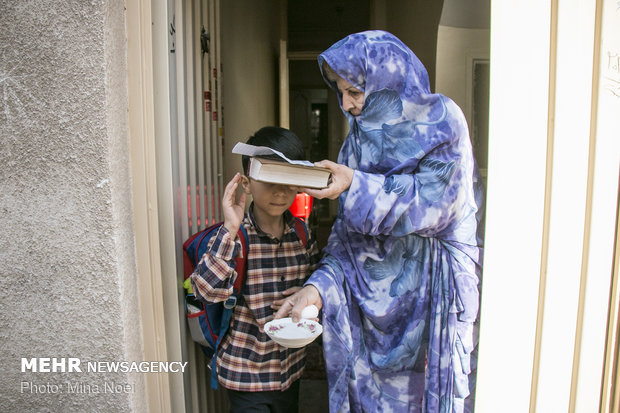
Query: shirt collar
[289,220]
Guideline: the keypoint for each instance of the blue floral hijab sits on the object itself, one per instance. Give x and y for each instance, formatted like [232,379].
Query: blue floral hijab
[399,280]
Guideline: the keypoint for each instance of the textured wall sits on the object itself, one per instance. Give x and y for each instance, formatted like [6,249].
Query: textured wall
[67,266]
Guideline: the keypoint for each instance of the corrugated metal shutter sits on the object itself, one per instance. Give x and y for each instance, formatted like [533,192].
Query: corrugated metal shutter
[196,131]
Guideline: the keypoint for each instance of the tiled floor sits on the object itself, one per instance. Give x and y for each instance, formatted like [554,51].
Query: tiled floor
[313,385]
[313,396]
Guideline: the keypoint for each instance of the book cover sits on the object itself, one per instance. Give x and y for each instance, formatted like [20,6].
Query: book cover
[284,173]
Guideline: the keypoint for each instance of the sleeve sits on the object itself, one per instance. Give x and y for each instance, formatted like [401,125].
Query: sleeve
[338,326]
[214,276]
[424,202]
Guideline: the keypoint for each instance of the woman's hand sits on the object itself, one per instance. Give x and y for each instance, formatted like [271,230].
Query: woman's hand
[278,303]
[301,299]
[232,208]
[341,181]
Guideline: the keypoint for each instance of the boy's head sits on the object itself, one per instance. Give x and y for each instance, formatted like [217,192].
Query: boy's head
[272,200]
[280,139]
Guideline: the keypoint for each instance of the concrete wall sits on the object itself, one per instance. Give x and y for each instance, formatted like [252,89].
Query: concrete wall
[67,262]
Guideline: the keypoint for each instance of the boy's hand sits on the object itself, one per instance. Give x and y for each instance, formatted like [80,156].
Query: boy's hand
[232,208]
[294,304]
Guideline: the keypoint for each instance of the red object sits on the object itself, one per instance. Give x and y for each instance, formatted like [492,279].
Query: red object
[302,206]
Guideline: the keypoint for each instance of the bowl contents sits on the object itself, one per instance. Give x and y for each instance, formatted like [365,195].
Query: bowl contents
[310,312]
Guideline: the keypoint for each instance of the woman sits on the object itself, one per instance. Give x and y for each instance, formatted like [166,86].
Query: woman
[398,285]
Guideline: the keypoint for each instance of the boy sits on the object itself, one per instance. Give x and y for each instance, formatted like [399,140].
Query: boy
[259,374]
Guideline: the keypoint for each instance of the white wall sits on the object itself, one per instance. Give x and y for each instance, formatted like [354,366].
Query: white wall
[456,49]
[551,207]
[515,205]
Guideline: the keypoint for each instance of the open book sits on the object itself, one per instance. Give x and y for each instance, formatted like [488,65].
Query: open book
[284,171]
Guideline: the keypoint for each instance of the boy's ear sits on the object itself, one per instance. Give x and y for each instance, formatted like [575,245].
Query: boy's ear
[245,183]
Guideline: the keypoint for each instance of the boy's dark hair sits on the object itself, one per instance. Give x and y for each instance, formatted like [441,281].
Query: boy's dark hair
[280,139]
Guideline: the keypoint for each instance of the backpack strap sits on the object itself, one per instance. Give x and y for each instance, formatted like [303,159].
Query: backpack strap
[231,302]
[192,247]
[302,230]
[241,262]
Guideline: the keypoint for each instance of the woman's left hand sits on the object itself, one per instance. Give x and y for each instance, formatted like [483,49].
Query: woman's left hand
[342,176]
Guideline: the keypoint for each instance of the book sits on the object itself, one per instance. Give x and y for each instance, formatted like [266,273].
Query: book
[285,173]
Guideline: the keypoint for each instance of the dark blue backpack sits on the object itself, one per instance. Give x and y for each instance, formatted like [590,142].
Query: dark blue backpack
[209,322]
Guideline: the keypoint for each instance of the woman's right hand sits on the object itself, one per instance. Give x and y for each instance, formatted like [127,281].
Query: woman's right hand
[341,179]
[232,208]
[294,304]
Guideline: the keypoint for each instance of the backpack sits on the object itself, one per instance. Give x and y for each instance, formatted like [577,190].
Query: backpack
[209,322]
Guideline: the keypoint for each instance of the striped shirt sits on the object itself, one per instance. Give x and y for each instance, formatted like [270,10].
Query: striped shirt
[248,360]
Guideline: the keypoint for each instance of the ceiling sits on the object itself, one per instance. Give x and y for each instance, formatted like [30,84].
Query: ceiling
[314,25]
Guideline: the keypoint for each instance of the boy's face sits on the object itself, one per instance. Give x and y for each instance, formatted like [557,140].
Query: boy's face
[269,199]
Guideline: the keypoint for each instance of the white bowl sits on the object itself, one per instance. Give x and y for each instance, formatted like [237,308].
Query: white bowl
[293,335]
